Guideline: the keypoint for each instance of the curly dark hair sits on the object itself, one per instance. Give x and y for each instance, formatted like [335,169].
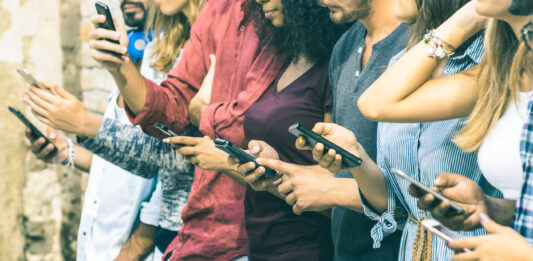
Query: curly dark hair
[308,30]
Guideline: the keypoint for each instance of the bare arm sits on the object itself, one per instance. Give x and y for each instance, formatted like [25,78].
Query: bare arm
[140,244]
[403,93]
[83,159]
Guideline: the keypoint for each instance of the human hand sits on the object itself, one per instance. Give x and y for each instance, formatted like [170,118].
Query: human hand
[202,99]
[45,153]
[201,152]
[253,175]
[336,134]
[503,243]
[108,54]
[57,108]
[305,188]
[463,191]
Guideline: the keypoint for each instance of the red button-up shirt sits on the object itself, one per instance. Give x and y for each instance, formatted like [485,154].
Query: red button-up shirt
[213,220]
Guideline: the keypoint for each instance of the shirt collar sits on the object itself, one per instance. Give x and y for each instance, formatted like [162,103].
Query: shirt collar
[473,48]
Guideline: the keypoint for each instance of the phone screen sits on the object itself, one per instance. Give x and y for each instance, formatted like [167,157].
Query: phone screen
[244,157]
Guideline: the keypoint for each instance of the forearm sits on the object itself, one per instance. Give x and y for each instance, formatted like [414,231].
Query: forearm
[90,126]
[344,193]
[83,159]
[500,210]
[140,244]
[372,184]
[131,85]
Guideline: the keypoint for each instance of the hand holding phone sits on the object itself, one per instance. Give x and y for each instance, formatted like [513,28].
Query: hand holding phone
[243,157]
[441,231]
[34,131]
[103,9]
[348,159]
[456,209]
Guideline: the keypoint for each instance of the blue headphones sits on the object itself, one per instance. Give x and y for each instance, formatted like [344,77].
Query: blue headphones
[138,41]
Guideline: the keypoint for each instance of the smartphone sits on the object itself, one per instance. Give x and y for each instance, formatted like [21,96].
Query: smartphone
[103,9]
[34,131]
[348,159]
[456,209]
[441,231]
[244,157]
[191,132]
[30,79]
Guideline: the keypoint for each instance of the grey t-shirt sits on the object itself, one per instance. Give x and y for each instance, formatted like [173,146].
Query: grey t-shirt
[351,230]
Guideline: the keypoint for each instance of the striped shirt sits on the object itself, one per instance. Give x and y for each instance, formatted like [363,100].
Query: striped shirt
[423,150]
[523,222]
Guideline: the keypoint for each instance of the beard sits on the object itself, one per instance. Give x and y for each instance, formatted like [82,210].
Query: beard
[130,19]
[362,11]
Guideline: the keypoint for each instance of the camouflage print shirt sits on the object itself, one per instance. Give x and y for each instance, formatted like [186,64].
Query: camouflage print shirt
[129,148]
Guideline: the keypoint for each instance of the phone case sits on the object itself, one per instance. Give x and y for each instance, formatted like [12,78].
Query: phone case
[30,79]
[109,24]
[348,159]
[441,231]
[244,157]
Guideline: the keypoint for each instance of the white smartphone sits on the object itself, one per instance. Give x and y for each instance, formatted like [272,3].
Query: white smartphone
[454,208]
[441,231]
[30,79]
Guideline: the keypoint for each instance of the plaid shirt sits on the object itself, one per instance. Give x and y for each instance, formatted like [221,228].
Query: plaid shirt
[523,222]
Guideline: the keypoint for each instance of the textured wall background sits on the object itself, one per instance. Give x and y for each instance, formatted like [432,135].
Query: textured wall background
[40,204]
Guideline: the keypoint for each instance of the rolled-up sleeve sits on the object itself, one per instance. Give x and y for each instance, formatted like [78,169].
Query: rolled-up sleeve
[150,210]
[129,148]
[386,222]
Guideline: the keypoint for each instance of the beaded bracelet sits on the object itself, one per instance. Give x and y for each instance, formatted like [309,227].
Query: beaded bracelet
[437,47]
[69,162]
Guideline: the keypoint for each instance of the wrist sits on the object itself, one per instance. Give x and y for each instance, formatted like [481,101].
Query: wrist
[90,126]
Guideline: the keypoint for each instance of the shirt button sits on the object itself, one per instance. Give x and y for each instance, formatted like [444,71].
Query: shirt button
[242,28]
[96,201]
[84,233]
[357,73]
[360,50]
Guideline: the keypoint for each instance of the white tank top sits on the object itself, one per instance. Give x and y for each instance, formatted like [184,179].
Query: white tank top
[499,155]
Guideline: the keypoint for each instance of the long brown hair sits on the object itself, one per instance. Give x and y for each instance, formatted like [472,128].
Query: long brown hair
[171,33]
[431,14]
[500,80]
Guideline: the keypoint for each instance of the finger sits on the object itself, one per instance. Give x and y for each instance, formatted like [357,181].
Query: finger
[285,188]
[255,147]
[51,134]
[440,210]
[286,168]
[445,179]
[29,135]
[301,144]
[39,102]
[43,94]
[213,60]
[254,176]
[290,199]
[489,225]
[427,201]
[329,157]
[184,140]
[466,256]
[61,92]
[45,152]
[188,151]
[319,128]
[415,191]
[103,34]
[246,168]
[108,46]
[470,242]
[107,57]
[96,20]
[44,120]
[318,151]
[296,209]
[121,29]
[192,159]
[277,182]
[233,160]
[37,145]
[336,165]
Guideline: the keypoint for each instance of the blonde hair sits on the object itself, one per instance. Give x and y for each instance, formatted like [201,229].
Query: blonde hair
[171,33]
[500,79]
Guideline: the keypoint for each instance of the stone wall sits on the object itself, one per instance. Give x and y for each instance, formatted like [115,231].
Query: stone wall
[40,204]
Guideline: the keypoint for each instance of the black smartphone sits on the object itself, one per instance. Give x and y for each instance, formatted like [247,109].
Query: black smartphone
[454,208]
[244,157]
[34,131]
[103,9]
[348,159]
[191,132]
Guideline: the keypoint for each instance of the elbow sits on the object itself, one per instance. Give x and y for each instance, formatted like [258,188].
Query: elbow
[369,108]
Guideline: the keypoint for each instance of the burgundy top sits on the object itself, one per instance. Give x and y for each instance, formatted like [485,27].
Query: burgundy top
[213,219]
[274,231]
